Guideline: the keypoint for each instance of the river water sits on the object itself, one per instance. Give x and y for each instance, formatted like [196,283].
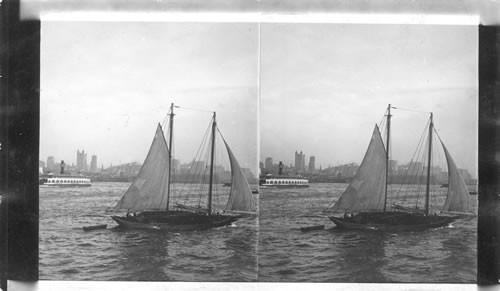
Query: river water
[286,254]
[275,251]
[69,253]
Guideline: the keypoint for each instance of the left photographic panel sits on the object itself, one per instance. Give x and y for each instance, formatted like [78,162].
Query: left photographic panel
[148,151]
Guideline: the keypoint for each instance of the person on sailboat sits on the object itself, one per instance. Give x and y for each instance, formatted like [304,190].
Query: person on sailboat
[347,214]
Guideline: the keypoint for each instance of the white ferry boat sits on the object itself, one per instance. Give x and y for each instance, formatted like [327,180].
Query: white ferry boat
[64,181]
[283,182]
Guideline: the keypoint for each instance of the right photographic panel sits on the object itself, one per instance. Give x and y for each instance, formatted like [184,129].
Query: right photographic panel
[368,154]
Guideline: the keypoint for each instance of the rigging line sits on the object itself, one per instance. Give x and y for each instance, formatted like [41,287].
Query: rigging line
[416,154]
[383,118]
[190,172]
[194,109]
[419,171]
[203,176]
[421,175]
[222,159]
[437,133]
[200,176]
[412,110]
[421,182]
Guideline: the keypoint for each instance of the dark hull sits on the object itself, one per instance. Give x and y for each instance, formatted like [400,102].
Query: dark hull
[392,221]
[174,221]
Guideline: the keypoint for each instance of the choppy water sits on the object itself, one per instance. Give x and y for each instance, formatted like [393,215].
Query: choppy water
[287,254]
[69,253]
[278,251]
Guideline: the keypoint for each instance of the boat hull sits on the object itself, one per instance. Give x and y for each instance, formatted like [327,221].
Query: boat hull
[174,221]
[392,221]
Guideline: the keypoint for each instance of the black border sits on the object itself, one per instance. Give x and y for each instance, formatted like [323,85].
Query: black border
[20,115]
[488,255]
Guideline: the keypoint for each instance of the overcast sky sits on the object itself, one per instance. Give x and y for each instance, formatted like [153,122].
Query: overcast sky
[105,86]
[324,86]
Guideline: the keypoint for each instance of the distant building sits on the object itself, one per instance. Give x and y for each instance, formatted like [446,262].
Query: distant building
[299,161]
[348,170]
[268,166]
[93,164]
[176,164]
[197,166]
[416,168]
[41,164]
[393,167]
[312,162]
[81,160]
[280,168]
[51,163]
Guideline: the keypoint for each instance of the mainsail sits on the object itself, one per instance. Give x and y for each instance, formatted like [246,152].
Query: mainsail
[240,197]
[367,190]
[458,198]
[148,190]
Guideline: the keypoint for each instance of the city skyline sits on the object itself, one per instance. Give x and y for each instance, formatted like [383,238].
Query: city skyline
[107,91]
[344,77]
[405,171]
[53,164]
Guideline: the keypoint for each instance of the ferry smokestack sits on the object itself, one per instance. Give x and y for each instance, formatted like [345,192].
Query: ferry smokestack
[280,168]
[62,167]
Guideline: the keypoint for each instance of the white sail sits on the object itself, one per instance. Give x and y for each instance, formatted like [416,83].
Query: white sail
[148,191]
[367,190]
[458,198]
[240,197]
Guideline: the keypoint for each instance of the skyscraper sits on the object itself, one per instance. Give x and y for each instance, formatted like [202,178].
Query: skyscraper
[300,161]
[81,160]
[312,162]
[269,164]
[51,163]
[93,164]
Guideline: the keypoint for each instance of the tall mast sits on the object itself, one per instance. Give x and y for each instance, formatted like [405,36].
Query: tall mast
[210,183]
[427,189]
[387,154]
[170,151]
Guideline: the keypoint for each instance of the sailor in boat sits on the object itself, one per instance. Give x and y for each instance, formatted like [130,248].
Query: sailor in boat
[347,214]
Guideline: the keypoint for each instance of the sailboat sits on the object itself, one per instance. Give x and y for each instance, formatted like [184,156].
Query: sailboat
[364,202]
[150,193]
